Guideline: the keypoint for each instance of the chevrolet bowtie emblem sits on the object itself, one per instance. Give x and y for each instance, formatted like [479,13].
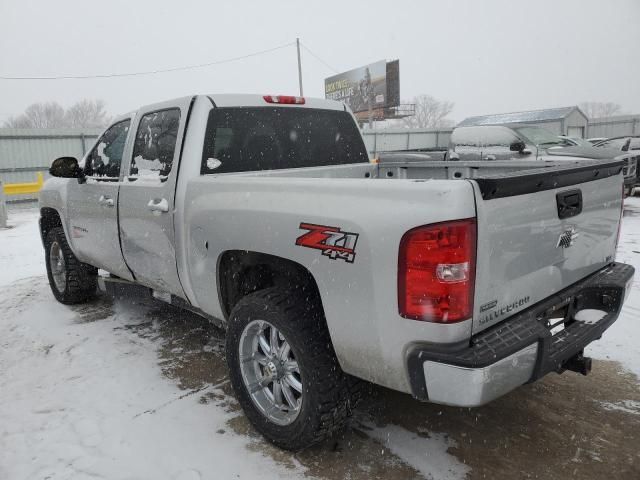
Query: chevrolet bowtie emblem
[566,238]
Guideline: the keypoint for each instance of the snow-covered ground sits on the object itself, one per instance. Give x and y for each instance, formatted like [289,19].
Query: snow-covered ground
[622,341]
[85,399]
[96,391]
[21,249]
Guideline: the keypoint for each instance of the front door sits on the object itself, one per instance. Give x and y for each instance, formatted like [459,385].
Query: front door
[92,206]
[147,196]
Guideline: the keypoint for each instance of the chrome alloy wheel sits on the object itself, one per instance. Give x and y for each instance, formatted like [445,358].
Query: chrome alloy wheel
[57,264]
[270,372]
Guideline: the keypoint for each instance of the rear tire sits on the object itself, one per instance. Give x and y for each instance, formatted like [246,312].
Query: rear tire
[323,390]
[71,281]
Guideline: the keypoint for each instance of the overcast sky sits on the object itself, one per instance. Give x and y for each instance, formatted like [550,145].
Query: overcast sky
[486,56]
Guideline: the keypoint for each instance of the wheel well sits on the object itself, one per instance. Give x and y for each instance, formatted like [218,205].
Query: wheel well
[49,218]
[244,272]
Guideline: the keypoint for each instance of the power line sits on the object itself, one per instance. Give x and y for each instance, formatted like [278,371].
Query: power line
[150,72]
[318,58]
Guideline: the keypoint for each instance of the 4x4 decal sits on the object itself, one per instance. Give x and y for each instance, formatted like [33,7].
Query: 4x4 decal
[333,242]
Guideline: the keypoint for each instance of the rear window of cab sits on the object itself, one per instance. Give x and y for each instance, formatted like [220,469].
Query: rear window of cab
[241,139]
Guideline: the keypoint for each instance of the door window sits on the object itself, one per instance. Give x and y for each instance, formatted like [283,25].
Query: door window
[103,162]
[155,145]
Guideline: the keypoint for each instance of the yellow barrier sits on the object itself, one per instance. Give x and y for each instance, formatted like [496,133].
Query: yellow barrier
[24,188]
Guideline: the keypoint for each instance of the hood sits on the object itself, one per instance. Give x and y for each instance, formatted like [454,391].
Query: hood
[584,152]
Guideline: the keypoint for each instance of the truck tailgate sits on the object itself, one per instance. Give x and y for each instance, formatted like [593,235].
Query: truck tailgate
[540,233]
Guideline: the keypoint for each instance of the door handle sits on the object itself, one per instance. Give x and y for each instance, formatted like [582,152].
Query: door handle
[106,201]
[158,205]
[569,203]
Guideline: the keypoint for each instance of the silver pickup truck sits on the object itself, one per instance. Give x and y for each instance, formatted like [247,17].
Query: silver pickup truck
[455,283]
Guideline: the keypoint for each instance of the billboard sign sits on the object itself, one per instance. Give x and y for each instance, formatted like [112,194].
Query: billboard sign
[365,85]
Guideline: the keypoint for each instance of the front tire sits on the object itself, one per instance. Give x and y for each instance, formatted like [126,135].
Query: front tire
[71,281]
[284,371]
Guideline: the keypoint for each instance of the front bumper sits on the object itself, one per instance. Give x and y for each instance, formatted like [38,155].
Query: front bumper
[520,349]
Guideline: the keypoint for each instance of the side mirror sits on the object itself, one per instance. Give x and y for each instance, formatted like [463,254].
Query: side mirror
[66,167]
[517,146]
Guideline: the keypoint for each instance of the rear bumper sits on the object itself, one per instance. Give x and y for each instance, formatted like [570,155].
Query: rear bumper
[520,349]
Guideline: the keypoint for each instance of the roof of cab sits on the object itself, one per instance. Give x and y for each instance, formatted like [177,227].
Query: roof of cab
[253,100]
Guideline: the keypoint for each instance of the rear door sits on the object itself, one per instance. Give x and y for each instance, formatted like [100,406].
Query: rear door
[535,240]
[147,195]
[92,205]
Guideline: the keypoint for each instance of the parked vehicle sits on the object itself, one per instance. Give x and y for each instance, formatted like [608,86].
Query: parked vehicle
[624,144]
[630,148]
[455,283]
[497,142]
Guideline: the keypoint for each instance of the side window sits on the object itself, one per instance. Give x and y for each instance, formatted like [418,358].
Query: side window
[103,162]
[155,145]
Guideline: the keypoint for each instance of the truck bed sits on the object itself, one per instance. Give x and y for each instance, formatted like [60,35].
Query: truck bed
[487,173]
[522,209]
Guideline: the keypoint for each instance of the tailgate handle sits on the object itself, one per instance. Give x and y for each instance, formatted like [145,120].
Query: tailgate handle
[569,203]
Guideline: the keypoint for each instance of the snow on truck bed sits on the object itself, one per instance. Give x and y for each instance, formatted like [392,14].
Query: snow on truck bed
[128,389]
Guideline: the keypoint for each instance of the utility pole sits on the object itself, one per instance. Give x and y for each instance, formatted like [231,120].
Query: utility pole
[299,66]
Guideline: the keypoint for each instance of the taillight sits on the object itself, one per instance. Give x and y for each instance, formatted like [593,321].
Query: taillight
[436,272]
[284,99]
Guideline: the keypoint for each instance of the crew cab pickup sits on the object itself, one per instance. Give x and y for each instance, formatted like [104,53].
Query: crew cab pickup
[455,282]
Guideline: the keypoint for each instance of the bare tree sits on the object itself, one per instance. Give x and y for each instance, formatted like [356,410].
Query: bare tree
[87,113]
[39,115]
[430,113]
[600,109]
[17,122]
[83,114]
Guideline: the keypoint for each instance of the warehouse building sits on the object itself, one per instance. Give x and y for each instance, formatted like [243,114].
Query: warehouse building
[618,126]
[26,152]
[569,121]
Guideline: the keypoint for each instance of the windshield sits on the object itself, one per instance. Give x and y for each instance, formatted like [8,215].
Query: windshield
[539,136]
[616,143]
[265,138]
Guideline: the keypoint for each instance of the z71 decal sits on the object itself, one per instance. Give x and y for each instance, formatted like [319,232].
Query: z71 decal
[333,242]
